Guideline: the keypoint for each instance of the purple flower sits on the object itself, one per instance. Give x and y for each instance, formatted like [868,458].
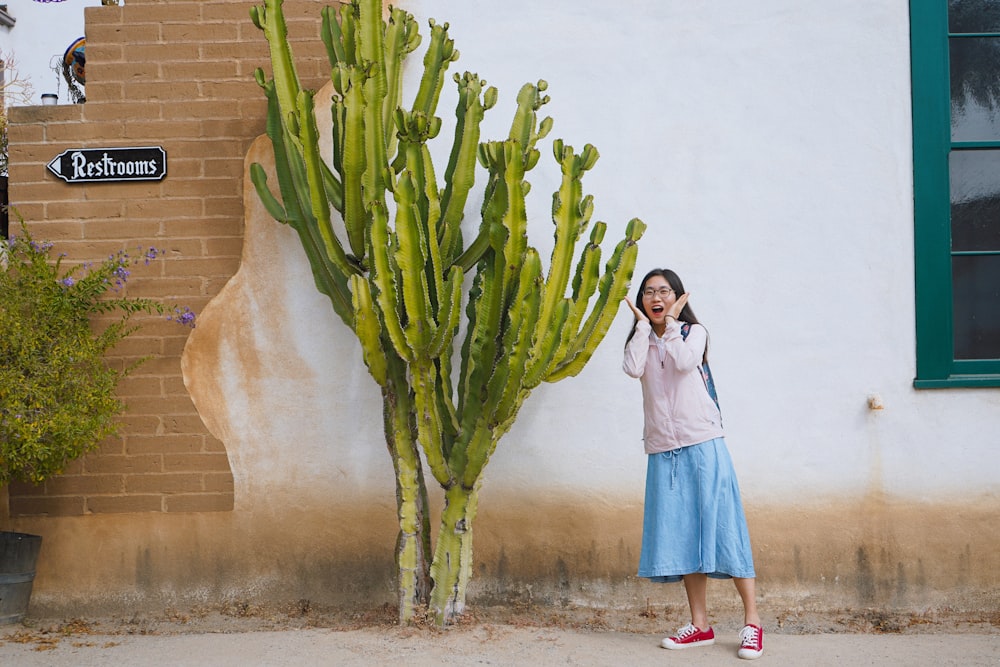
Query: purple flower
[122,273]
[184,316]
[68,281]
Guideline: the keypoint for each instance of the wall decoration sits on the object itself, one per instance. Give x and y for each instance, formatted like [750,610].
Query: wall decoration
[73,69]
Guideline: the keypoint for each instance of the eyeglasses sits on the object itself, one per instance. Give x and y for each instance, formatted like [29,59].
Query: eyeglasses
[662,292]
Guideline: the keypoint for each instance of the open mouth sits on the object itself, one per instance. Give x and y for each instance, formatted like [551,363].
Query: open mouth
[657,310]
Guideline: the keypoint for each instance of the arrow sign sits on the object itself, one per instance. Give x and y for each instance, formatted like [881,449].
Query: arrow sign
[90,165]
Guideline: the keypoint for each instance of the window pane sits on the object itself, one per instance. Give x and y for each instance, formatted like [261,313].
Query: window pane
[975,200]
[976,294]
[973,15]
[975,88]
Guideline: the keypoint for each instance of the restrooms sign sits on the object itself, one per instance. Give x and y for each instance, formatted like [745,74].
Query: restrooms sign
[90,165]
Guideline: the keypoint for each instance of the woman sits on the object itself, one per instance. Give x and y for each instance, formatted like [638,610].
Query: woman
[693,524]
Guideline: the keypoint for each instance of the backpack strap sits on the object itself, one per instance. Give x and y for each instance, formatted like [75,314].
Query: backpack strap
[706,372]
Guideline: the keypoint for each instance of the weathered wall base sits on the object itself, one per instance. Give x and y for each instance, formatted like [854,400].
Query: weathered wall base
[873,553]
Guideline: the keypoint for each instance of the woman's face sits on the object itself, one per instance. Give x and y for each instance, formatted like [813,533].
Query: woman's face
[657,297]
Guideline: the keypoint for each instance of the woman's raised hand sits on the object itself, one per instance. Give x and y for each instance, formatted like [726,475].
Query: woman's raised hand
[639,315]
[678,306]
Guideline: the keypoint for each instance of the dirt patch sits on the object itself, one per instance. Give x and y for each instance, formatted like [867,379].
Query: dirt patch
[245,616]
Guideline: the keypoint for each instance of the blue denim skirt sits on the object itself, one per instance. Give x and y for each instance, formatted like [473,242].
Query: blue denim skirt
[693,519]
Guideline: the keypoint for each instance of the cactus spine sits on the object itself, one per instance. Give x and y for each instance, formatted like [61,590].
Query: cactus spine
[399,284]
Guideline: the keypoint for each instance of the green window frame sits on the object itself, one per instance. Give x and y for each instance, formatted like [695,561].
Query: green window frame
[933,147]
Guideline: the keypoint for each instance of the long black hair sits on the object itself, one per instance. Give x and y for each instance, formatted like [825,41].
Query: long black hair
[686,314]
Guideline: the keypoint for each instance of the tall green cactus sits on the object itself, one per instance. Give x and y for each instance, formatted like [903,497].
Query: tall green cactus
[398,284]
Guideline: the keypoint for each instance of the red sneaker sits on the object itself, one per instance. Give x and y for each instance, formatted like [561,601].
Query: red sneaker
[751,642]
[689,636]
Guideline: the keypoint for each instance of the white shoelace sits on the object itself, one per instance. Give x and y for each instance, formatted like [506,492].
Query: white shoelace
[686,631]
[748,636]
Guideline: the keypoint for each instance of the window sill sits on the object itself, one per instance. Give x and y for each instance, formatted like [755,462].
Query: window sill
[958,381]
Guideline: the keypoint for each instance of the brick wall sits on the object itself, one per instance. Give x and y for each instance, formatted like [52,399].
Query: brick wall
[176,74]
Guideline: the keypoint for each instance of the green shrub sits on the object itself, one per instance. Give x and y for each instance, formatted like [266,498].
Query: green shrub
[58,395]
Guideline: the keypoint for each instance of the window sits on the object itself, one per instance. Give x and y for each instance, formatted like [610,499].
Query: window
[955,60]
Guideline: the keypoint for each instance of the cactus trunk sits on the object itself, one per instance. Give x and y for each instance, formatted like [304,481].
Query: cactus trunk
[452,567]
[398,283]
[413,543]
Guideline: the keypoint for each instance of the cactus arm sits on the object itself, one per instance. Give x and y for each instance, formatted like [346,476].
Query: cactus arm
[430,196]
[329,275]
[283,156]
[523,127]
[376,167]
[401,39]
[429,427]
[274,208]
[584,285]
[270,18]
[450,416]
[478,350]
[333,187]
[315,186]
[585,280]
[495,201]
[371,45]
[332,38]
[414,131]
[291,170]
[349,20]
[430,211]
[547,345]
[328,279]
[460,173]
[449,313]
[515,217]
[287,160]
[368,330]
[338,113]
[504,389]
[411,259]
[440,54]
[486,304]
[469,352]
[383,279]
[476,249]
[524,321]
[354,159]
[614,287]
[480,353]
[570,212]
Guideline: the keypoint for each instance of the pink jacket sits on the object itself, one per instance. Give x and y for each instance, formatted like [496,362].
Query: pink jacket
[678,410]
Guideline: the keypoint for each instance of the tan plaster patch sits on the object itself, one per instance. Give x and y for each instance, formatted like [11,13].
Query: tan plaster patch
[278,378]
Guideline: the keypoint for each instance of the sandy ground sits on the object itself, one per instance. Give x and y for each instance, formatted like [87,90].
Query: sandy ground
[242,635]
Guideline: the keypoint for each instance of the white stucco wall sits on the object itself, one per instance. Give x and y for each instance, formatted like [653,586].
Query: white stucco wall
[39,38]
[767,146]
